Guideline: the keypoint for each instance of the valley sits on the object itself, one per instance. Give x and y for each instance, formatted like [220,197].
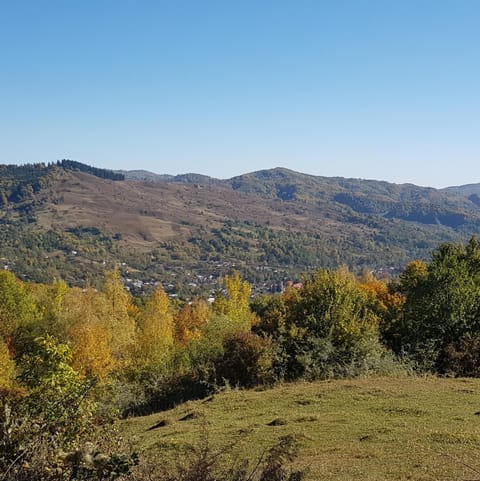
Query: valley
[72,221]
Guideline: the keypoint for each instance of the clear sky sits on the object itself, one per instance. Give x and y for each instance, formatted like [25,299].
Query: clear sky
[356,88]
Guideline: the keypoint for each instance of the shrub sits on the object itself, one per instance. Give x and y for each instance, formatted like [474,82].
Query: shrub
[246,360]
[168,392]
[461,358]
[48,428]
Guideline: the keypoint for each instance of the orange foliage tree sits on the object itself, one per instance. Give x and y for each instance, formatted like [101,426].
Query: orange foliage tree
[189,321]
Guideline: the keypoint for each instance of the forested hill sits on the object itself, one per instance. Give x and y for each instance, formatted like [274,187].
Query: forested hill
[20,182]
[71,221]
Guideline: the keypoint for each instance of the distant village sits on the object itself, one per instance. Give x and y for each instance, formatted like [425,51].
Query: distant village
[184,283]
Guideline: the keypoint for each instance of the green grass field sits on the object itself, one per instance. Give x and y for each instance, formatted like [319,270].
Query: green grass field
[366,429]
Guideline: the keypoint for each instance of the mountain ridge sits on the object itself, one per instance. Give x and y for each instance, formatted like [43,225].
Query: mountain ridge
[270,224]
[465,189]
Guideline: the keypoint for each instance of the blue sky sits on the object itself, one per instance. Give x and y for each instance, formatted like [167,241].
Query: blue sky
[371,89]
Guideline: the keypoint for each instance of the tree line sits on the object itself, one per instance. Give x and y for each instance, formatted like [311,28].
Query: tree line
[334,324]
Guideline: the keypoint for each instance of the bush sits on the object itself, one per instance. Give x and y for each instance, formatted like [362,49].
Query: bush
[246,360]
[461,358]
[48,429]
[302,356]
[166,393]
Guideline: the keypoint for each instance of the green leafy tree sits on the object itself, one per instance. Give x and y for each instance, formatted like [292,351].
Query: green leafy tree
[442,301]
[54,413]
[331,328]
[49,430]
[270,311]
[58,394]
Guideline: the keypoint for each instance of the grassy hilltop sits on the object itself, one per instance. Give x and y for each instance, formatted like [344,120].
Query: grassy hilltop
[376,429]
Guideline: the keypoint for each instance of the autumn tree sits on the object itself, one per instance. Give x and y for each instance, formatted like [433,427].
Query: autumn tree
[234,302]
[18,314]
[156,331]
[189,321]
[50,302]
[86,313]
[386,302]
[412,277]
[91,352]
[7,367]
[119,322]
[17,307]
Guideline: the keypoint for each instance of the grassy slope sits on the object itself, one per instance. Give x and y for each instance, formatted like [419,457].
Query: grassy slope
[367,429]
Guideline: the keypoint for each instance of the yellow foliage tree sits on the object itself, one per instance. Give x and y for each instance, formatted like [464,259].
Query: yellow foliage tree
[156,331]
[90,332]
[91,349]
[234,304]
[50,301]
[119,322]
[412,275]
[84,305]
[355,317]
[383,301]
[16,304]
[7,367]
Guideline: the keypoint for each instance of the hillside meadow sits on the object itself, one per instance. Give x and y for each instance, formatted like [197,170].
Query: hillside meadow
[388,428]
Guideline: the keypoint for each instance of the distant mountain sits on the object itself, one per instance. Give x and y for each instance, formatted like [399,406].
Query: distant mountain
[471,191]
[144,175]
[465,190]
[71,221]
